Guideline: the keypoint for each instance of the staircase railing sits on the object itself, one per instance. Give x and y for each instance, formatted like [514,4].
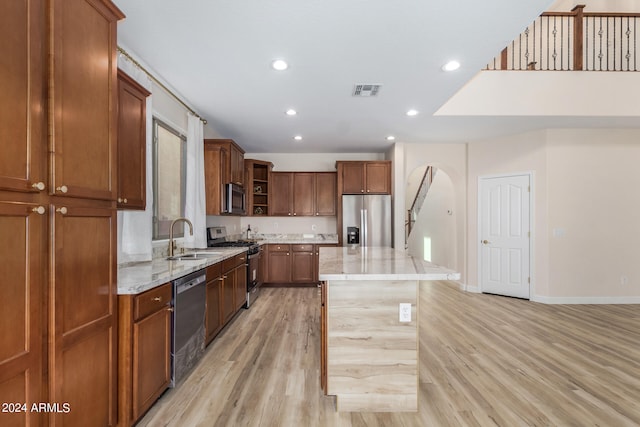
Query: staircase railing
[418,200]
[573,41]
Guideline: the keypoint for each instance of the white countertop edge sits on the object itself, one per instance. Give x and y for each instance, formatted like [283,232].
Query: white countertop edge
[390,276]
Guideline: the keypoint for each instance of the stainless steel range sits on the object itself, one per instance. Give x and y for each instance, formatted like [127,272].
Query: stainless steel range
[217,237]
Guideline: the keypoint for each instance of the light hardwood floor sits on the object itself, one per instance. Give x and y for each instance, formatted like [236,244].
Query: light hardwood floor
[484,361]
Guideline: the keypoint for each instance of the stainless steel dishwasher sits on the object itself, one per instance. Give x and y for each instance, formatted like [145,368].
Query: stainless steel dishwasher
[187,345]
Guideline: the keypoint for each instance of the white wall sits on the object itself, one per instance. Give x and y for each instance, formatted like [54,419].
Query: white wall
[436,223]
[594,214]
[452,160]
[586,209]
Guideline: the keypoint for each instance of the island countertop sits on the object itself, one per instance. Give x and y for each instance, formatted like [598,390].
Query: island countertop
[356,263]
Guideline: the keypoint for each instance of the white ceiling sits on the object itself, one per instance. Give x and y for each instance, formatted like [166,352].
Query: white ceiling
[217,53]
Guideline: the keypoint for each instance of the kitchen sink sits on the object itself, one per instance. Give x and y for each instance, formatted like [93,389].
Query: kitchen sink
[194,256]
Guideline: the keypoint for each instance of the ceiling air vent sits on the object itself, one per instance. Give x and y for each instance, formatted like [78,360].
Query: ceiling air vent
[365,90]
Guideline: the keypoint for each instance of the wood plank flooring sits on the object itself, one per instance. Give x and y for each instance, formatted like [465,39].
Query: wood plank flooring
[484,361]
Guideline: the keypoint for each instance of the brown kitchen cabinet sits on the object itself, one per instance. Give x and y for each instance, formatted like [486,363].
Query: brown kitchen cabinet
[279,260]
[132,143]
[364,177]
[24,209]
[303,194]
[233,162]
[83,312]
[213,323]
[223,164]
[22,318]
[292,264]
[258,179]
[234,286]
[282,190]
[60,75]
[325,193]
[215,172]
[303,263]
[144,341]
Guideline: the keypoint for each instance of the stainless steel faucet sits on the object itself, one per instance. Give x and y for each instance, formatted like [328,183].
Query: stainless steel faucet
[172,244]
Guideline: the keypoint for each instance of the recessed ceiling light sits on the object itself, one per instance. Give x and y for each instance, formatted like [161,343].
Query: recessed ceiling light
[298,138]
[279,65]
[291,112]
[412,112]
[391,138]
[451,66]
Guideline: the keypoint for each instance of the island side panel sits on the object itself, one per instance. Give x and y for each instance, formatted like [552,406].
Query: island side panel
[372,358]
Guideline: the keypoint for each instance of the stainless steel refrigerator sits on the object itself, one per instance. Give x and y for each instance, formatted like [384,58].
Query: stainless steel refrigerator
[366,220]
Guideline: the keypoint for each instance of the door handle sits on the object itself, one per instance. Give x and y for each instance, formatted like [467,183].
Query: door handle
[485,242]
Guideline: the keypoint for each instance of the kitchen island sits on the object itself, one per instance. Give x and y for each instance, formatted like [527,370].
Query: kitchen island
[369,321]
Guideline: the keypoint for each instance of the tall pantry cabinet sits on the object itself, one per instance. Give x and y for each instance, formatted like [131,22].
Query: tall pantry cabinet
[57,211]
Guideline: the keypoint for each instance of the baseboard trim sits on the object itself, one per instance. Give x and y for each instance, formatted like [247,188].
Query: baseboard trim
[469,288]
[586,300]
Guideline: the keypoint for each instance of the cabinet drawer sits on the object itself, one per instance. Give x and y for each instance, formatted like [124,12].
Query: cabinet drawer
[231,263]
[241,259]
[279,248]
[152,301]
[302,248]
[214,271]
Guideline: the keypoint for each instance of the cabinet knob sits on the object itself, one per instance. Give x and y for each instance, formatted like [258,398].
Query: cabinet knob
[62,210]
[39,210]
[287,253]
[294,214]
[362,191]
[38,185]
[62,189]
[289,214]
[317,214]
[119,199]
[170,309]
[367,191]
[158,299]
[126,201]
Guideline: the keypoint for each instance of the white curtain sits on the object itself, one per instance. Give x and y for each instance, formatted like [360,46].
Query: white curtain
[195,208]
[135,230]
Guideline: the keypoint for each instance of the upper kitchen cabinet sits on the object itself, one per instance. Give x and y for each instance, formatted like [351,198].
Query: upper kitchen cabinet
[215,171]
[132,131]
[82,98]
[233,162]
[22,121]
[258,185]
[325,195]
[364,177]
[303,194]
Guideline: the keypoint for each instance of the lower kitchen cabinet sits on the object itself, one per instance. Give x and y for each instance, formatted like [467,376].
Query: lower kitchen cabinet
[294,264]
[144,371]
[214,301]
[234,285]
[303,263]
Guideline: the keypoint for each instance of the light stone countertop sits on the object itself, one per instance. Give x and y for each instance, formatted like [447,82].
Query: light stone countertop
[355,263]
[139,277]
[296,239]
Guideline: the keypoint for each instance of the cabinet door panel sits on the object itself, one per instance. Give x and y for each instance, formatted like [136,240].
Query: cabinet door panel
[378,176]
[21,120]
[326,194]
[303,194]
[353,178]
[21,320]
[83,105]
[281,194]
[132,126]
[151,359]
[279,267]
[214,313]
[84,314]
[228,289]
[302,267]
[241,286]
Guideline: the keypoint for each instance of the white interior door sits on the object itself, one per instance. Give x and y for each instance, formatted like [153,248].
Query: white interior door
[505,235]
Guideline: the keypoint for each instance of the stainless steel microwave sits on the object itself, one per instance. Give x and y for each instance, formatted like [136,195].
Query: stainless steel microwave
[234,200]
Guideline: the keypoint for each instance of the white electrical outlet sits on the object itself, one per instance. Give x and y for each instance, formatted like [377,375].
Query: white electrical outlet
[405,312]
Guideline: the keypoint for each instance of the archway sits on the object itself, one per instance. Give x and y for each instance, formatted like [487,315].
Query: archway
[433,233]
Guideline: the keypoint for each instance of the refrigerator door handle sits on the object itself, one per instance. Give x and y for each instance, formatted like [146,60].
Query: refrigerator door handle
[365,228]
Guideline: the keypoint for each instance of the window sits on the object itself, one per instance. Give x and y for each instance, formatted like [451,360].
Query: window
[169,179]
